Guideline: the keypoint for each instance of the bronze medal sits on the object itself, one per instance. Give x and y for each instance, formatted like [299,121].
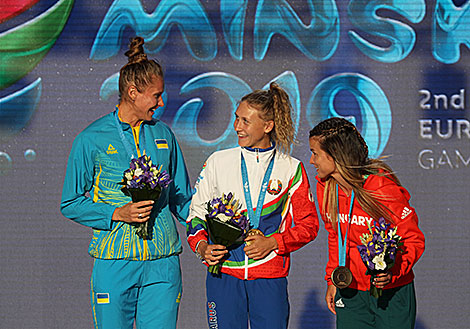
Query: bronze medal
[341,277]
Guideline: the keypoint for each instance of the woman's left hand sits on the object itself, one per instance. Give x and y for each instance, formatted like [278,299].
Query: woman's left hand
[382,279]
[259,246]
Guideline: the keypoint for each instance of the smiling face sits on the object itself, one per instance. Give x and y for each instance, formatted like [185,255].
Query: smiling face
[322,161]
[252,131]
[148,100]
[140,105]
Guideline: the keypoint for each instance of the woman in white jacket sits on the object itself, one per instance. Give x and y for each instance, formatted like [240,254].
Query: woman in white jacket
[262,175]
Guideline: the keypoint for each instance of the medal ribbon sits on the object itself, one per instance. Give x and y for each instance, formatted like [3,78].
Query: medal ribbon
[342,243]
[127,145]
[252,216]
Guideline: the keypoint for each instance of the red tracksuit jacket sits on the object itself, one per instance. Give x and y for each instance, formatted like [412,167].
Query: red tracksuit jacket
[405,220]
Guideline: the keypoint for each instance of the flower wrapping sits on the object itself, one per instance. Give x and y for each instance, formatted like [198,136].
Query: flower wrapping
[378,250]
[144,181]
[225,224]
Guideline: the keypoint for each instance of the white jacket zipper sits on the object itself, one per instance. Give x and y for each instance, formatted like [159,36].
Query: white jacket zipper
[246,267]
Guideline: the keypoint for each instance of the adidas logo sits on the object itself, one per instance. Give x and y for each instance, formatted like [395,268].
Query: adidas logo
[339,303]
[111,150]
[406,212]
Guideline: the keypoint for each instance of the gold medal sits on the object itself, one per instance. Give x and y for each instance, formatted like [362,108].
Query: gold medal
[341,277]
[253,231]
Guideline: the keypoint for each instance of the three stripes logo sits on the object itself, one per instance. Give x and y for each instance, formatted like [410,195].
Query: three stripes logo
[406,211]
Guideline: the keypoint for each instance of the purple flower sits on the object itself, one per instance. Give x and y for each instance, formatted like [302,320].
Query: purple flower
[392,252]
[362,251]
[153,184]
[221,208]
[371,249]
[366,256]
[143,174]
[164,179]
[215,202]
[144,166]
[229,207]
[241,222]
[213,213]
[382,225]
[380,245]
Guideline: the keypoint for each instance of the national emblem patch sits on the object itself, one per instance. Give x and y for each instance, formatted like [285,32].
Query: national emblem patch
[161,144]
[102,298]
[274,186]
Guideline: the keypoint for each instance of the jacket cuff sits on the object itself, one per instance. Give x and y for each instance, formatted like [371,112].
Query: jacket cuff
[109,219]
[281,248]
[196,252]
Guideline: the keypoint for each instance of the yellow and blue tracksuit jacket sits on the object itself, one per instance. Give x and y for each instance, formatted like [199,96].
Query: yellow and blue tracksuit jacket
[91,192]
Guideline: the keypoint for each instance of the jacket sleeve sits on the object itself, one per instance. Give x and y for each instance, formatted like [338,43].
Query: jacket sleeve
[180,192]
[304,216]
[396,199]
[78,182]
[196,229]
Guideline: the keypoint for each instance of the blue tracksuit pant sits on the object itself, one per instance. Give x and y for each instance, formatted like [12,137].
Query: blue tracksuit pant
[232,302]
[147,291]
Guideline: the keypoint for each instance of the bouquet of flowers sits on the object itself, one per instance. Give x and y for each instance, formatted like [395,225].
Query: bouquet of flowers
[144,181]
[378,250]
[225,223]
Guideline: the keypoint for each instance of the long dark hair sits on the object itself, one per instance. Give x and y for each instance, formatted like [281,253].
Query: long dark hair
[340,139]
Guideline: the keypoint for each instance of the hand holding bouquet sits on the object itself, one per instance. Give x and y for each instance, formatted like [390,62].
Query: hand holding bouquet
[144,181]
[378,250]
[225,223]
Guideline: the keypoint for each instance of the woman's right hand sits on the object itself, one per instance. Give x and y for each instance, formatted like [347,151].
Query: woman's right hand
[212,253]
[330,298]
[134,212]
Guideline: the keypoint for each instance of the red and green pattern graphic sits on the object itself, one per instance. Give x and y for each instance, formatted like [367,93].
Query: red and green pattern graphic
[21,50]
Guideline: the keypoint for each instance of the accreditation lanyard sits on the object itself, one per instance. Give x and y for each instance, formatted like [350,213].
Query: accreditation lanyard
[342,243]
[252,216]
[127,145]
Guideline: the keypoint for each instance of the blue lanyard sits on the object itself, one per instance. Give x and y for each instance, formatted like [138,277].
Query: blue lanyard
[342,243]
[127,145]
[252,216]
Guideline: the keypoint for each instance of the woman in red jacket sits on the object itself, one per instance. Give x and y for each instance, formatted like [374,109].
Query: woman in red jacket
[358,190]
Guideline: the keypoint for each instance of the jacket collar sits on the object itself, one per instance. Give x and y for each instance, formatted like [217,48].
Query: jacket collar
[126,126]
[273,145]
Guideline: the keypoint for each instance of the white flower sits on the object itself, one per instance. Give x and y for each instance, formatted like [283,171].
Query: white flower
[128,176]
[223,218]
[138,172]
[392,233]
[379,262]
